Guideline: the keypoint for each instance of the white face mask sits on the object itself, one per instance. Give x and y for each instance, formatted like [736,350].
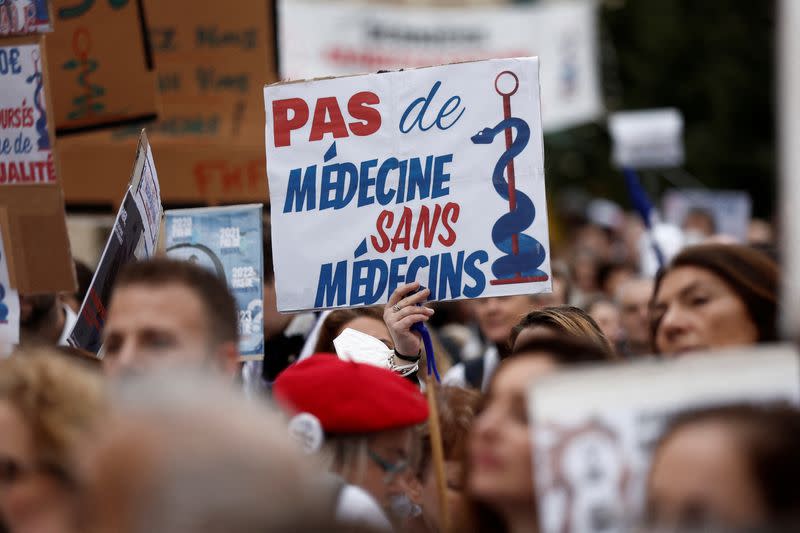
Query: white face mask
[352,345]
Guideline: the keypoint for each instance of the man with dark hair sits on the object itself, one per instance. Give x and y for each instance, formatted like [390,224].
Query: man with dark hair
[166,313]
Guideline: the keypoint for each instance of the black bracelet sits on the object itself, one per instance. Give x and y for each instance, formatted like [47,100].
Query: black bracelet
[409,358]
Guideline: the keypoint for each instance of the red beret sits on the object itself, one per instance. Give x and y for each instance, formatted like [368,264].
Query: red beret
[350,397]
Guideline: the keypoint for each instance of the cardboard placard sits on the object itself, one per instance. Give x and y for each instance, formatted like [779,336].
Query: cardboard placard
[26,128]
[212,60]
[228,242]
[100,66]
[433,174]
[22,17]
[346,38]
[594,430]
[35,214]
[134,236]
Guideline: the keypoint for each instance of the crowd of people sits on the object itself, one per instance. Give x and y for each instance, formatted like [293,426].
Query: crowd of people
[167,431]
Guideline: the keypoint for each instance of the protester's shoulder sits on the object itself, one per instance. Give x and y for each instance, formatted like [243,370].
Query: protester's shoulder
[358,508]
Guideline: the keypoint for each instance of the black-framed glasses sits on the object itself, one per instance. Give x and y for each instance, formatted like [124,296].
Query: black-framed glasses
[389,468]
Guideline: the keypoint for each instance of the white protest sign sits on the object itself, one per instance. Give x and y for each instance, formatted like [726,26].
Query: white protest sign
[9,306]
[434,175]
[26,146]
[647,139]
[594,430]
[730,210]
[347,37]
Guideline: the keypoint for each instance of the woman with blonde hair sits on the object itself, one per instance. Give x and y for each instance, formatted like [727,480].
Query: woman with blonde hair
[48,406]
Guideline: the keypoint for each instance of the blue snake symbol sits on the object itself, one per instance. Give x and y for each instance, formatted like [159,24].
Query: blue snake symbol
[43,142]
[531,253]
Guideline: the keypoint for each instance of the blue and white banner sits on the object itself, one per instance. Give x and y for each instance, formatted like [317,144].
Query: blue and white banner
[433,174]
[228,242]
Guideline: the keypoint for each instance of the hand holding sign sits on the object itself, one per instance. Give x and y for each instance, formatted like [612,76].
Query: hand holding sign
[402,311]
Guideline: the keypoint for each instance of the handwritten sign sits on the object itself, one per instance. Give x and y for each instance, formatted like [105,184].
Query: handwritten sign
[22,17]
[134,236]
[26,154]
[228,242]
[99,64]
[434,175]
[594,430]
[345,38]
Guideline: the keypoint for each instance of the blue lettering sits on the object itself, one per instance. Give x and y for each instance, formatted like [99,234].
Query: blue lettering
[9,62]
[452,105]
[364,273]
[332,285]
[456,101]
[395,277]
[329,186]
[348,173]
[385,197]
[425,101]
[304,194]
[440,177]
[451,275]
[472,270]
[417,179]
[365,182]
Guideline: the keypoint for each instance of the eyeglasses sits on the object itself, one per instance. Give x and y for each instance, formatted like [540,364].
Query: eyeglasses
[12,471]
[390,469]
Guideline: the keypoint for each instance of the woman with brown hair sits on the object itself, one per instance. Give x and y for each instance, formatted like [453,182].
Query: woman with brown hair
[498,469]
[714,296]
[734,467]
[367,320]
[48,407]
[457,408]
[563,320]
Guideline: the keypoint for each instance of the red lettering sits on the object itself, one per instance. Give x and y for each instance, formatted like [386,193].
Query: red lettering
[386,218]
[403,233]
[359,109]
[451,211]
[282,124]
[424,224]
[327,107]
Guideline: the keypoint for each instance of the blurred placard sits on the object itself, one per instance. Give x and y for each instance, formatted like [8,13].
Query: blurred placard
[347,37]
[433,175]
[594,430]
[730,210]
[228,242]
[134,236]
[100,66]
[26,134]
[647,139]
[9,306]
[212,60]
[22,17]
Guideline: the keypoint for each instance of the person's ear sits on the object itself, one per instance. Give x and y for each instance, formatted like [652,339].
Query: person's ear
[228,358]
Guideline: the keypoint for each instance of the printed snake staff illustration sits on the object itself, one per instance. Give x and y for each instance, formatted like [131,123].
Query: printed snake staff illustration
[521,265]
